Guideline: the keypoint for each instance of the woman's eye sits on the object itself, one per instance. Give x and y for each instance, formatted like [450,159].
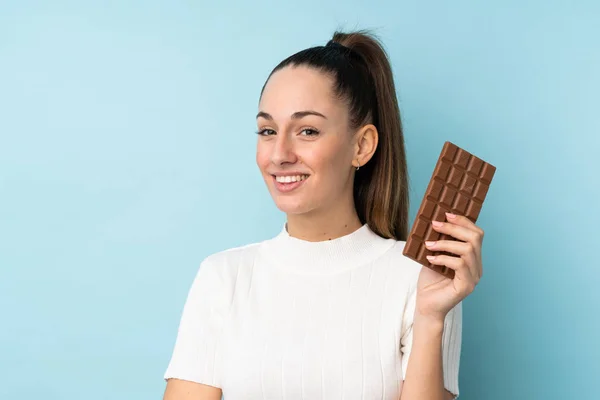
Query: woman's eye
[310,132]
[266,132]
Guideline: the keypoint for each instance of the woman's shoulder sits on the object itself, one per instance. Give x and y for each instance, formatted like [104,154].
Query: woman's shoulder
[228,262]
[221,271]
[232,255]
[233,258]
[236,256]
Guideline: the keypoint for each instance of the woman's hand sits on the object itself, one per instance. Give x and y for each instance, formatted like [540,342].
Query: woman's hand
[437,294]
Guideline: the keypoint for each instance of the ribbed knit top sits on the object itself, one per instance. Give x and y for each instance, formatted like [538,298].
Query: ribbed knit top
[287,318]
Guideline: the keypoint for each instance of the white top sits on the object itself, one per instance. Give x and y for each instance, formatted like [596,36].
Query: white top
[292,319]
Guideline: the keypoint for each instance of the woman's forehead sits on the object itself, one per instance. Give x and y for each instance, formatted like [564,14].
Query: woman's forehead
[294,89]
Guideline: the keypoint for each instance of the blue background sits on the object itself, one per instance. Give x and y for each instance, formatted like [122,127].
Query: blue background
[127,155]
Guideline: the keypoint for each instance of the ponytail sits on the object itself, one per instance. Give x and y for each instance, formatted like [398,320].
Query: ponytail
[363,77]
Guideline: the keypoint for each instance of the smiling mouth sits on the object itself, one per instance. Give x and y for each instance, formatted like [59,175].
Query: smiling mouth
[289,183]
[290,179]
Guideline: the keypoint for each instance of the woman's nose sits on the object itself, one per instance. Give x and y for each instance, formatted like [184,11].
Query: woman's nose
[283,151]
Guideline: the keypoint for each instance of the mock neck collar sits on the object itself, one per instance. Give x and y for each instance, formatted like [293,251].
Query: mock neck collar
[357,248]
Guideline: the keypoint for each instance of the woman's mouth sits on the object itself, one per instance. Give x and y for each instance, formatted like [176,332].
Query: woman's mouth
[287,183]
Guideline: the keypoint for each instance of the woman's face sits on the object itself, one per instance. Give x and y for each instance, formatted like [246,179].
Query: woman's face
[305,149]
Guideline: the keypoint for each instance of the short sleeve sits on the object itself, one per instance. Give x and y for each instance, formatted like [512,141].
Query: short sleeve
[198,349]
[451,343]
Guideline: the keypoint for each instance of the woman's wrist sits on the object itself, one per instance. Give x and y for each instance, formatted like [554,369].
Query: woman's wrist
[428,323]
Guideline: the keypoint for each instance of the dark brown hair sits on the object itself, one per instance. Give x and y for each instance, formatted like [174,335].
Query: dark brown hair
[363,79]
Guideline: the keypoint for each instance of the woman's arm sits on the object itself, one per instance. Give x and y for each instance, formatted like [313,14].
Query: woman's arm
[436,297]
[184,390]
[424,375]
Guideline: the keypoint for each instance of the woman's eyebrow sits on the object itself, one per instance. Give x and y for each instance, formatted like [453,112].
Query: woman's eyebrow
[296,115]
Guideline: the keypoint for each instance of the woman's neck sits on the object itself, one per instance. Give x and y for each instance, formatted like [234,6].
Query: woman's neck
[316,227]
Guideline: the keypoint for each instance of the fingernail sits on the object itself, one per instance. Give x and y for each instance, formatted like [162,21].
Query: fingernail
[450,215]
[429,244]
[437,224]
[431,258]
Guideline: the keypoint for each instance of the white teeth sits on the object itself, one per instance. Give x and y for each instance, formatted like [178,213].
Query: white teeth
[289,179]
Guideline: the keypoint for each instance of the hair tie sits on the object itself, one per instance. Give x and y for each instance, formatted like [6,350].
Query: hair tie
[332,43]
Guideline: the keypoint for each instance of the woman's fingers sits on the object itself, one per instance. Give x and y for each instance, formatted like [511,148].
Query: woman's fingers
[456,231]
[467,246]
[450,246]
[461,228]
[465,250]
[463,221]
[464,281]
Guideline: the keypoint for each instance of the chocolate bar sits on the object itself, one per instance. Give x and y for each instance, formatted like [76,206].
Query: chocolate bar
[458,185]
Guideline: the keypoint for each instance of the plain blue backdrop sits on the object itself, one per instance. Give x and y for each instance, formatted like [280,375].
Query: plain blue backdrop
[127,156]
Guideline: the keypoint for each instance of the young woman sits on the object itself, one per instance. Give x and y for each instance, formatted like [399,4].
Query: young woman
[329,308]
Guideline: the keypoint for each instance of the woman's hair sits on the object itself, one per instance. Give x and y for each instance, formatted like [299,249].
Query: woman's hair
[363,79]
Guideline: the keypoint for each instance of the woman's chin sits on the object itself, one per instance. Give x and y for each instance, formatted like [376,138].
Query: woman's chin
[289,206]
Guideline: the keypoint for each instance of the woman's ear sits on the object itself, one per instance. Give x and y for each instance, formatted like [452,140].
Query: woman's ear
[366,140]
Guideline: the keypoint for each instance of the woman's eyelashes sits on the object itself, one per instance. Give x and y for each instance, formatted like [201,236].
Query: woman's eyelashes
[265,132]
[302,132]
[310,132]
